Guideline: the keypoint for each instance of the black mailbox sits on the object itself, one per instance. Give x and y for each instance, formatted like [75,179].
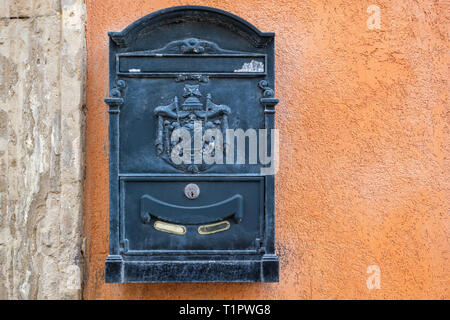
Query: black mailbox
[191,149]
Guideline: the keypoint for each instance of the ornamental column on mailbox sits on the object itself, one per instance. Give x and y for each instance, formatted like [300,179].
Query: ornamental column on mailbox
[191,91]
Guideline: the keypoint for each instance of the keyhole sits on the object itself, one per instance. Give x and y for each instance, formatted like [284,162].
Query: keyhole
[192,191]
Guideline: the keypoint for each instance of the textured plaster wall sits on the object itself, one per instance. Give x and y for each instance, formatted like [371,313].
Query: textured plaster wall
[42,59]
[364,177]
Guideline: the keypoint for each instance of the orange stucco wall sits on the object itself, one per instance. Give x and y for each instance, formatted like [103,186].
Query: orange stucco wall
[364,176]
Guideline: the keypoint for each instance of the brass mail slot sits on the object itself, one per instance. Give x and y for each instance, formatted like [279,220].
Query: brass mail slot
[214,228]
[170,228]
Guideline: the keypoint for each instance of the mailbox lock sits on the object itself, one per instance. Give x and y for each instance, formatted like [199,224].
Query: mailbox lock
[192,191]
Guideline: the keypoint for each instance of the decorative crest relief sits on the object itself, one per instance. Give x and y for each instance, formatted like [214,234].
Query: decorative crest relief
[173,116]
[192,46]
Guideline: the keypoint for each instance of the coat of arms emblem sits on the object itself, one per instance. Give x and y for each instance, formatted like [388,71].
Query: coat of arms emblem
[191,112]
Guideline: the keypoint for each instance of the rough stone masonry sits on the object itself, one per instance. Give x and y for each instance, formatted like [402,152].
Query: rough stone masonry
[42,78]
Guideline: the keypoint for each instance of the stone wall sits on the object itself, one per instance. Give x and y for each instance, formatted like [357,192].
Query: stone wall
[42,59]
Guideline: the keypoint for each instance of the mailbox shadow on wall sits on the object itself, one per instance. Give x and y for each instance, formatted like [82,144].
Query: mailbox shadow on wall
[175,217]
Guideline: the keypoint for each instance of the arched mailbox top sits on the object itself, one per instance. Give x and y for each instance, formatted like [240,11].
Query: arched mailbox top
[183,14]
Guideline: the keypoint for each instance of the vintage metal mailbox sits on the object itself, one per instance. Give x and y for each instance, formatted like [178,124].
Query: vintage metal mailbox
[191,113]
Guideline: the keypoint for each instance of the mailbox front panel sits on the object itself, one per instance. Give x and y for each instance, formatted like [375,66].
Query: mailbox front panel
[191,104]
[219,201]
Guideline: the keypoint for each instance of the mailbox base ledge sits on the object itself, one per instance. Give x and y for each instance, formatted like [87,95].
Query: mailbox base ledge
[264,269]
